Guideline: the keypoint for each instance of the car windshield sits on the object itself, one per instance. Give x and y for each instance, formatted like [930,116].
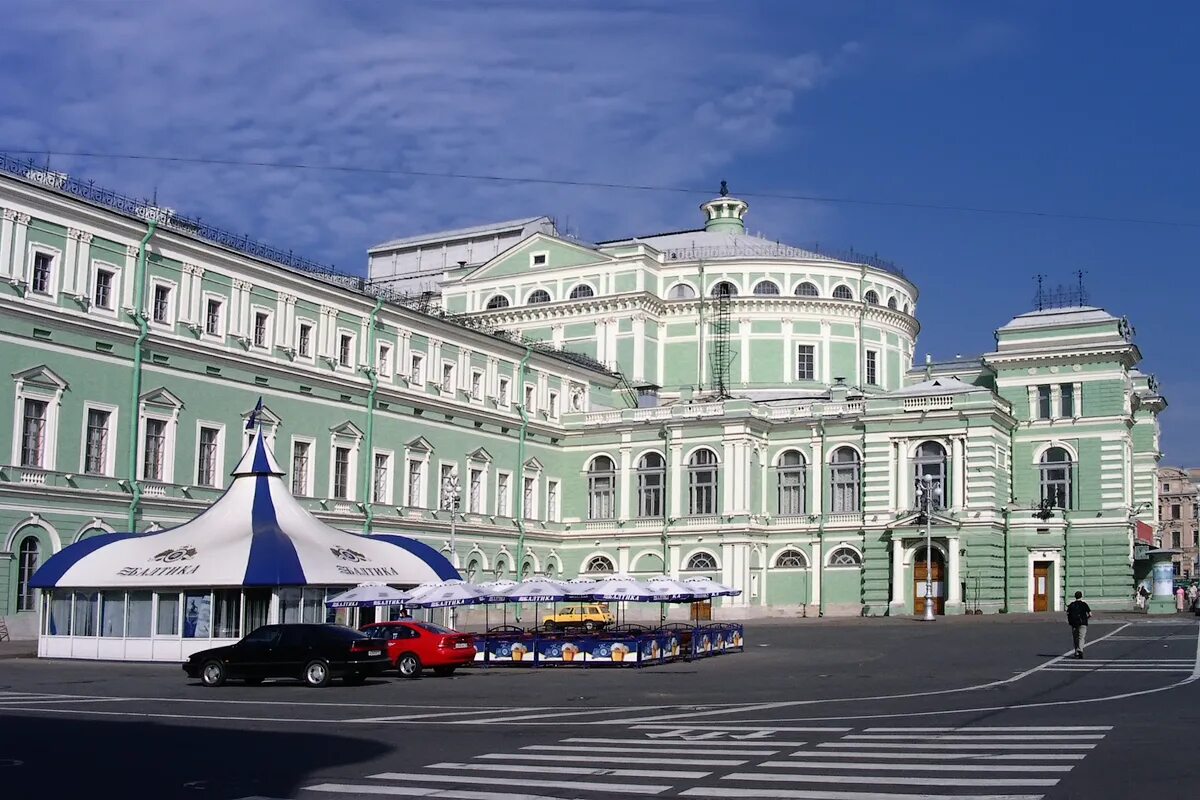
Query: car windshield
[266,635]
[433,627]
[342,633]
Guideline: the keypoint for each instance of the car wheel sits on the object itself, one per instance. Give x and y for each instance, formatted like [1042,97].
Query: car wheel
[212,673]
[253,681]
[354,679]
[589,626]
[316,674]
[444,672]
[409,666]
[550,627]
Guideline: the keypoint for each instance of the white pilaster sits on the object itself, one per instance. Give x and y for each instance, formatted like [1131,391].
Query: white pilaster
[826,369]
[818,558]
[625,489]
[7,219]
[959,479]
[70,255]
[83,270]
[20,233]
[897,574]
[728,469]
[677,487]
[816,474]
[904,483]
[639,346]
[744,326]
[953,577]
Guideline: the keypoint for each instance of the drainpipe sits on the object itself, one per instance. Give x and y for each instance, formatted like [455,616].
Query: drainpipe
[139,318]
[665,435]
[821,523]
[519,505]
[700,331]
[862,314]
[373,374]
[1012,500]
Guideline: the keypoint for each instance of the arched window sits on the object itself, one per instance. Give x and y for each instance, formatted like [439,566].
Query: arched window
[551,569]
[906,308]
[724,289]
[871,297]
[842,292]
[472,569]
[791,559]
[497,301]
[1055,471]
[702,483]
[766,287]
[844,557]
[28,559]
[599,564]
[581,292]
[650,475]
[527,570]
[892,303]
[501,567]
[681,291]
[701,561]
[930,462]
[845,474]
[538,296]
[791,483]
[807,289]
[602,488]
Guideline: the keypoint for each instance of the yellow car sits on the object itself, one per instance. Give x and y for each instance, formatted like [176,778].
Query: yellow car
[591,617]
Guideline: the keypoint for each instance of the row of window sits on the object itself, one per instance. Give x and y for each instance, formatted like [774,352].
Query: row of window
[685,291]
[1056,401]
[788,558]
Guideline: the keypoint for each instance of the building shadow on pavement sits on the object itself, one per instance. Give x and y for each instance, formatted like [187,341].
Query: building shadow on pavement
[83,757]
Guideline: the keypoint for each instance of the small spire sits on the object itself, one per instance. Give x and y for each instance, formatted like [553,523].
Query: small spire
[724,188]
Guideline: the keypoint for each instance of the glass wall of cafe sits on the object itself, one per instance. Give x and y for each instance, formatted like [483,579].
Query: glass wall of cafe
[171,624]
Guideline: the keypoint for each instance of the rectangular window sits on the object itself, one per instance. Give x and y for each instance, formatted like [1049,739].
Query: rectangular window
[527,506]
[261,319]
[445,503]
[475,492]
[1175,539]
[381,483]
[162,303]
[806,362]
[206,457]
[383,362]
[552,500]
[502,495]
[417,371]
[345,349]
[530,394]
[872,368]
[140,605]
[304,344]
[415,499]
[33,433]
[197,615]
[447,378]
[300,467]
[341,473]
[154,452]
[1175,511]
[1068,399]
[553,404]
[40,280]
[476,385]
[168,615]
[1043,402]
[112,614]
[212,317]
[102,294]
[502,393]
[95,454]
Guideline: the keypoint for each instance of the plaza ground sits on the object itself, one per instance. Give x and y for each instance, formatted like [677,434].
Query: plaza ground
[983,707]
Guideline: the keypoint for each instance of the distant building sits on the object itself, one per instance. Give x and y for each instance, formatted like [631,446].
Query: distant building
[1179,518]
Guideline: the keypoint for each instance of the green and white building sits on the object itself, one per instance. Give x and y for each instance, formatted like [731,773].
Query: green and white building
[703,402]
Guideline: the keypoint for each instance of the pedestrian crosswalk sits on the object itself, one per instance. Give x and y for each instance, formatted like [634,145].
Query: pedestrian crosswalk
[873,763]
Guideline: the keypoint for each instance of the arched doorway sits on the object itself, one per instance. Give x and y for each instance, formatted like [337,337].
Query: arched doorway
[937,572]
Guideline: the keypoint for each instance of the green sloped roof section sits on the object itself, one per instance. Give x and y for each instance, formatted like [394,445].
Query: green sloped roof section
[560,254]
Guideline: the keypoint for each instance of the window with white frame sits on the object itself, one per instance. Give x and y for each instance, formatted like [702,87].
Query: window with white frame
[445,473]
[28,559]
[807,289]
[381,479]
[304,340]
[791,559]
[476,385]
[383,360]
[447,384]
[529,498]
[416,372]
[651,475]
[845,477]
[806,362]
[602,488]
[844,557]
[97,452]
[1055,471]
[766,287]
[701,561]
[502,498]
[345,350]
[213,313]
[475,491]
[530,398]
[872,367]
[702,482]
[1067,400]
[262,329]
[930,463]
[681,291]
[502,392]
[34,419]
[154,449]
[538,296]
[792,484]
[582,292]
[1044,408]
[552,403]
[208,449]
[842,292]
[497,301]
[341,472]
[416,483]
[552,501]
[41,279]
[871,297]
[302,468]
[160,307]
[599,564]
[104,289]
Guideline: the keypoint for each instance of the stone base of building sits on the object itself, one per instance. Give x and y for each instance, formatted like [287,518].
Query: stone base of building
[21,627]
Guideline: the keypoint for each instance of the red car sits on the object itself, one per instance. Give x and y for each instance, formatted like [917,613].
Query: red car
[412,646]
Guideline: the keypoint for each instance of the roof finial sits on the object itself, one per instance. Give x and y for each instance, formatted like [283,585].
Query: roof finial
[724,188]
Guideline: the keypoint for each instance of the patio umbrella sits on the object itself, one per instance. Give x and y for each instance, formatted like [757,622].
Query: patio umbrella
[669,590]
[448,594]
[707,587]
[620,588]
[537,591]
[495,591]
[366,595]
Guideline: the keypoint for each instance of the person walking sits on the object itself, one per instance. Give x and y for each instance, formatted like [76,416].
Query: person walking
[1193,594]
[1179,595]
[1078,614]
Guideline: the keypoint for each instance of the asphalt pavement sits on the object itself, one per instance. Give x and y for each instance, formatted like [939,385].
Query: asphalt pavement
[981,709]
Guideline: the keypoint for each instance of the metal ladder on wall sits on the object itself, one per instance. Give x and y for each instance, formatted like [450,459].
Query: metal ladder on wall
[4,631]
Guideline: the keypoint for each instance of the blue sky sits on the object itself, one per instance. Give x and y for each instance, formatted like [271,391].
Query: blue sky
[1067,108]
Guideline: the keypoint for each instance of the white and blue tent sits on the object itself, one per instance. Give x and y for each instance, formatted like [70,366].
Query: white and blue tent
[256,547]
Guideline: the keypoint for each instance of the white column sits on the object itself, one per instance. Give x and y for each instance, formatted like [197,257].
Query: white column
[677,487]
[744,357]
[904,482]
[613,326]
[728,472]
[83,270]
[129,278]
[825,356]
[959,481]
[953,578]
[70,254]
[20,231]
[897,573]
[7,219]
[639,346]
[557,337]
[816,476]
[818,558]
[625,488]
[672,569]
[281,326]
[184,293]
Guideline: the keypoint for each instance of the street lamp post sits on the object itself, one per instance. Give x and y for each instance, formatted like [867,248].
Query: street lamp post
[930,491]
[450,497]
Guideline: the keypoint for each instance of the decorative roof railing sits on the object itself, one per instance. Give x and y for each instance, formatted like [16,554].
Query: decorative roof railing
[426,303]
[779,250]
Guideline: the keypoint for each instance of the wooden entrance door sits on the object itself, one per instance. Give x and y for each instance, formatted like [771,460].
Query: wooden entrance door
[1041,585]
[937,575]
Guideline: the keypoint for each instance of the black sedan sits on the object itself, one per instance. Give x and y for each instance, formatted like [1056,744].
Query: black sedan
[312,653]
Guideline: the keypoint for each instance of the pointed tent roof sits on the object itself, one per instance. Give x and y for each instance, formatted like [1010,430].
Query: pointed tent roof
[255,534]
